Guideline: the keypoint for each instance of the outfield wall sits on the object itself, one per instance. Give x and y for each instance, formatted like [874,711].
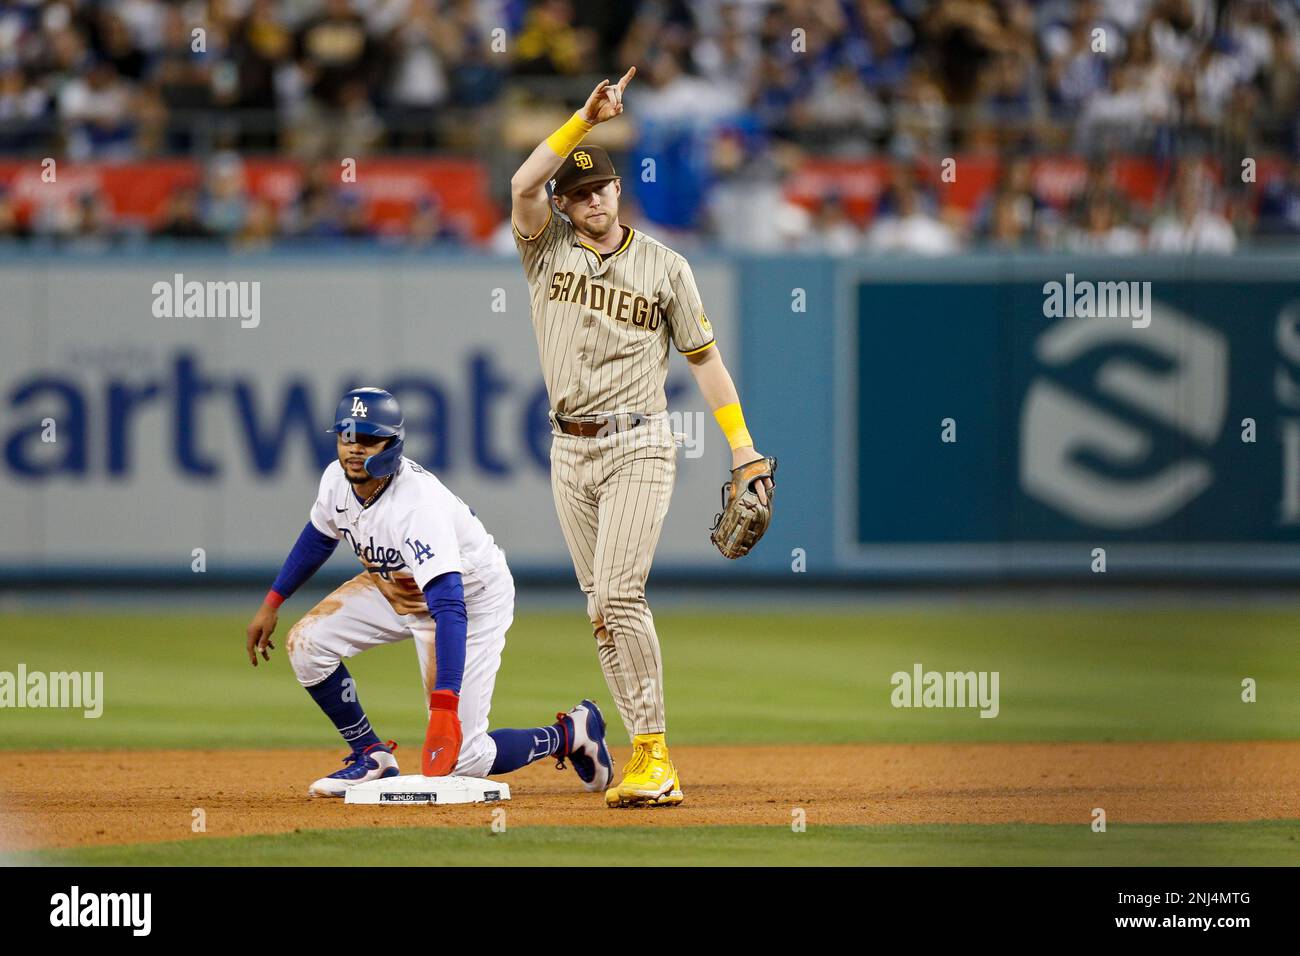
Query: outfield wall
[181,433]
[1071,433]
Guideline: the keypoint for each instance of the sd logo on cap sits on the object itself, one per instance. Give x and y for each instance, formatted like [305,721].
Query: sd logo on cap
[590,164]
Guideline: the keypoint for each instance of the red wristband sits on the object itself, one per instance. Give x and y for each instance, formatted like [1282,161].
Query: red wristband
[274,598]
[444,700]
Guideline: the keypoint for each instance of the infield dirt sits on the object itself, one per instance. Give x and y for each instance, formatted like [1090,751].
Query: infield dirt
[81,798]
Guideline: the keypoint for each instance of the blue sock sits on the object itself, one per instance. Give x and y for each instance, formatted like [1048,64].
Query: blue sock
[337,696]
[519,748]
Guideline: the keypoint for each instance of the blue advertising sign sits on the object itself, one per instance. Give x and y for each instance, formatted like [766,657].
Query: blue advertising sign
[1018,423]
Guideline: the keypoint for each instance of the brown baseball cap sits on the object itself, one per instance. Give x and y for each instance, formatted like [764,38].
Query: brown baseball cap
[586,164]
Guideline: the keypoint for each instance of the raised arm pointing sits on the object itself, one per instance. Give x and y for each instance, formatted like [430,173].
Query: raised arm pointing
[529,203]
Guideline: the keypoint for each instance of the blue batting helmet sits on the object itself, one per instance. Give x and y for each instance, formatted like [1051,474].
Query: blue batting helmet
[372,411]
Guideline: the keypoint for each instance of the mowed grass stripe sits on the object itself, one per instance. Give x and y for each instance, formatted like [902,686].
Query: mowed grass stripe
[175,680]
[1267,843]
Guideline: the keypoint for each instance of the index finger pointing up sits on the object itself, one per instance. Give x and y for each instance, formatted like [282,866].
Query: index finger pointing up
[627,78]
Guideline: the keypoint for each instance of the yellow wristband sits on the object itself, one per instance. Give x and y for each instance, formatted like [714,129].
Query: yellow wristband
[569,135]
[732,422]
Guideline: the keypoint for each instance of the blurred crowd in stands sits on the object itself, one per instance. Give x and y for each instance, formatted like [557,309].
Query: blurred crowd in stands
[732,97]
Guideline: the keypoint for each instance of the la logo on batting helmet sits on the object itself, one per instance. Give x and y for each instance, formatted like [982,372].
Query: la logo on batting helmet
[582,159]
[373,411]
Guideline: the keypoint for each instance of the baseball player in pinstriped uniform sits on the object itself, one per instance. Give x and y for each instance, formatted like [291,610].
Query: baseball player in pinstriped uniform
[606,302]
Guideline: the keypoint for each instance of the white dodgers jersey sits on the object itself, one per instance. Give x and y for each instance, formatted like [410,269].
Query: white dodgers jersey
[414,531]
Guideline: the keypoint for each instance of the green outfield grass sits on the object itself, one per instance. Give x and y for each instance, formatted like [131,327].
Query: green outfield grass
[1239,844]
[177,680]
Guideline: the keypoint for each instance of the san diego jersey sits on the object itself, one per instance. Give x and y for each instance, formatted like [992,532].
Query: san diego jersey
[413,532]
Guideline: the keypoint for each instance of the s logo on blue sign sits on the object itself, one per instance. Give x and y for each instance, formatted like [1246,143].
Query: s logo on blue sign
[1060,430]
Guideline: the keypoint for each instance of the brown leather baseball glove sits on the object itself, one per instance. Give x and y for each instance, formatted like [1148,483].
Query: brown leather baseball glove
[744,519]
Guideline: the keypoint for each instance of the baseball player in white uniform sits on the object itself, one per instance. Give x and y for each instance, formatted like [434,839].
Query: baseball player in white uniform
[607,301]
[431,572]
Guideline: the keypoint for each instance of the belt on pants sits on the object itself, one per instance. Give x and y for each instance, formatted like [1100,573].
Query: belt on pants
[600,427]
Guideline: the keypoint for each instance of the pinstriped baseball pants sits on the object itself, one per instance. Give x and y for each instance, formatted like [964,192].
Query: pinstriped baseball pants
[611,496]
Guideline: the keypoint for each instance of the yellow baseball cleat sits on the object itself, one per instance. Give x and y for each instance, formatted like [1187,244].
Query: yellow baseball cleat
[649,779]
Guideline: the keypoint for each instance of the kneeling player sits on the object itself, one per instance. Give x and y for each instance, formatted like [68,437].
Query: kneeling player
[432,572]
